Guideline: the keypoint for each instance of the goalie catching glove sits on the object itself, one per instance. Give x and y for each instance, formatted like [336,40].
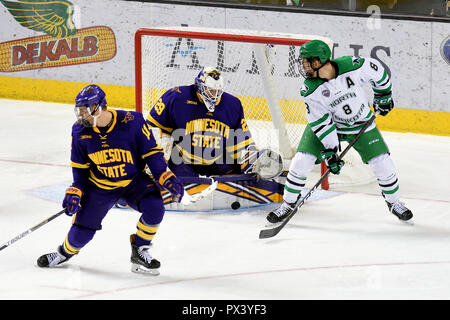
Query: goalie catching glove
[331,160]
[265,163]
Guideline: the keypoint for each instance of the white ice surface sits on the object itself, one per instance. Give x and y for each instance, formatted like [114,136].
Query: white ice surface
[344,247]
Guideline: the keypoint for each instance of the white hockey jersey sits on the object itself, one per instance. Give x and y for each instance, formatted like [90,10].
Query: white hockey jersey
[341,105]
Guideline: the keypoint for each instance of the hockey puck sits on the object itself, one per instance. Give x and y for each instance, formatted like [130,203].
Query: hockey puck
[235,205]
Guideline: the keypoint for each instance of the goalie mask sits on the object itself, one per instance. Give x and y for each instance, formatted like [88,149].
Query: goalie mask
[209,85]
[314,49]
[90,100]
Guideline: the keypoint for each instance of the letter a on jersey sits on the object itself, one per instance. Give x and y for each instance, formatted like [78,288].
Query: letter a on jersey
[349,82]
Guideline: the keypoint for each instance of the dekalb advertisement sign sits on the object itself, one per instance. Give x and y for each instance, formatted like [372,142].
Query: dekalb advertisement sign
[93,44]
[63,45]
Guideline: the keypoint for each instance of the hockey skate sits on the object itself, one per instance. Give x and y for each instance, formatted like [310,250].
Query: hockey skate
[280,213]
[51,260]
[141,259]
[399,210]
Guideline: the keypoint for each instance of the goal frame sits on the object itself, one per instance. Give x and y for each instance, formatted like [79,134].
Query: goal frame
[194,35]
[179,33]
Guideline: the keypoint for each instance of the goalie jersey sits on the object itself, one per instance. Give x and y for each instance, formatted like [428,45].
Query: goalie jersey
[201,137]
[103,157]
[340,105]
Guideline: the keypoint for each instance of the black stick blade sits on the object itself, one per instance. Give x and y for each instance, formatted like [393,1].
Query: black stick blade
[269,233]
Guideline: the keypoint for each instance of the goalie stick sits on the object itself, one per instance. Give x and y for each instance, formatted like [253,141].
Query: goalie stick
[23,234]
[189,199]
[274,230]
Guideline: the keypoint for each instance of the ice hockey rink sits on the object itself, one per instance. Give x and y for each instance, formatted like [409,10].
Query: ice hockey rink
[344,245]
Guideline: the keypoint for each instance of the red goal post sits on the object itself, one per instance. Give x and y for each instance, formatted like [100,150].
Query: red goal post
[259,67]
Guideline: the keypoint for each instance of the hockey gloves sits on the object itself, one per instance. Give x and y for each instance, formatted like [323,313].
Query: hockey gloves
[172,184]
[331,160]
[72,200]
[383,102]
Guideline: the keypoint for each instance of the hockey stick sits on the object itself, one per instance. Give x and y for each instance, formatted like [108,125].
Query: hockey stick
[273,231]
[190,199]
[20,236]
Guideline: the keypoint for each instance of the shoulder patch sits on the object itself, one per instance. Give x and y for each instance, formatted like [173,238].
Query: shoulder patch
[175,89]
[348,63]
[128,117]
[309,86]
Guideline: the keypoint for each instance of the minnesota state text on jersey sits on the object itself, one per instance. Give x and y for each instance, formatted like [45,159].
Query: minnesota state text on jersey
[202,137]
[112,160]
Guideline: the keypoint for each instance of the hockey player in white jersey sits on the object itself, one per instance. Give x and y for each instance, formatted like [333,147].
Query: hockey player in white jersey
[337,108]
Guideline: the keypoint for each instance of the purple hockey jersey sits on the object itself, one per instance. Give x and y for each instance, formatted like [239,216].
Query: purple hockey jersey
[115,155]
[202,137]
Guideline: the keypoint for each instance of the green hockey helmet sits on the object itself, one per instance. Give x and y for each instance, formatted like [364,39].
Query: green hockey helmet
[315,49]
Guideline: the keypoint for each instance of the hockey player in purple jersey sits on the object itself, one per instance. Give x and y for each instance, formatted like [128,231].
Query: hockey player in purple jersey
[205,133]
[109,152]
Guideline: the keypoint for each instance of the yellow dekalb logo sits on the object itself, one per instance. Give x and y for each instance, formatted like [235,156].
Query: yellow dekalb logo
[92,44]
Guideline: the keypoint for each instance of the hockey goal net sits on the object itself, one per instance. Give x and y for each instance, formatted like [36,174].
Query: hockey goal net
[260,68]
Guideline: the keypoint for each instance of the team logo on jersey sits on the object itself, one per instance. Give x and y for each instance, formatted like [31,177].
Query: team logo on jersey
[355,60]
[304,89]
[445,50]
[128,117]
[177,89]
[326,93]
